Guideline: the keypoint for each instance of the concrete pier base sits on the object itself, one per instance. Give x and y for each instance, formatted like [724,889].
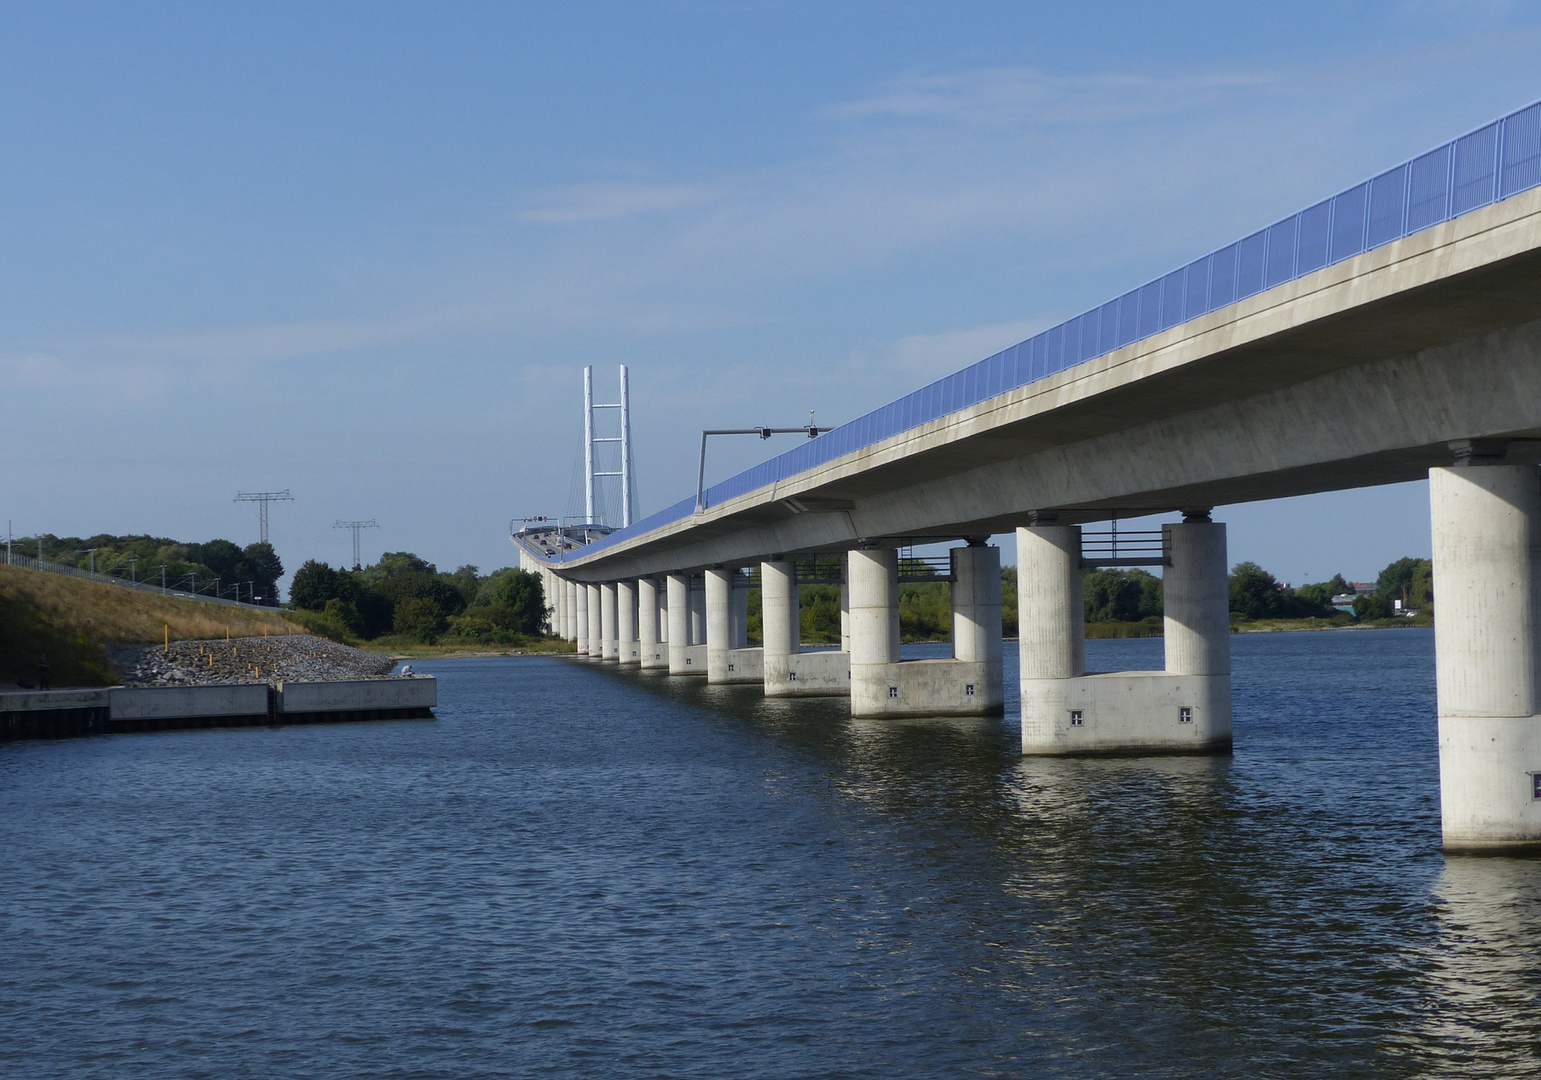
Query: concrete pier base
[1185,709]
[790,672]
[824,673]
[882,686]
[727,621]
[1487,576]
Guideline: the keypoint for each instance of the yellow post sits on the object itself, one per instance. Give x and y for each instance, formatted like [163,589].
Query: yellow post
[227,631]
[168,636]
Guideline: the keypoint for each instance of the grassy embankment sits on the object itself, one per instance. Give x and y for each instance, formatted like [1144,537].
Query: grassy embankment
[74,620]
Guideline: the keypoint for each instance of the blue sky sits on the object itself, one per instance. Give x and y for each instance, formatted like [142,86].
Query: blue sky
[363,251]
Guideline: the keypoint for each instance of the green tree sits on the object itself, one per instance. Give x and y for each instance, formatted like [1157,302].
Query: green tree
[1254,592]
[1322,592]
[261,566]
[313,585]
[1408,580]
[419,618]
[519,599]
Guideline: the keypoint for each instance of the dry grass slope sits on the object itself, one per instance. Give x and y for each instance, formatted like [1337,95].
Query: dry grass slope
[73,620]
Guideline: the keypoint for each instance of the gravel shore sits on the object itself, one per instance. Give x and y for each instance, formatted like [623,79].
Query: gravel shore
[297,657]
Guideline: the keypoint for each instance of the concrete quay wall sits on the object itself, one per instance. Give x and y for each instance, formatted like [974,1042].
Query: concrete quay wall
[58,714]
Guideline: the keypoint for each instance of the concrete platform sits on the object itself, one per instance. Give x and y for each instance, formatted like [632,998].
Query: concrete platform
[60,714]
[1130,712]
[687,660]
[927,688]
[809,674]
[735,666]
[361,699]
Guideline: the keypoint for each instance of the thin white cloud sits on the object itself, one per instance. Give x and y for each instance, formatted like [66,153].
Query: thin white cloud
[1015,96]
[612,201]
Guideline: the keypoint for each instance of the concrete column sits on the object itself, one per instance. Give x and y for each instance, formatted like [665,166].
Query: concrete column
[1051,609]
[580,595]
[650,650]
[626,650]
[1197,604]
[719,613]
[662,592]
[595,605]
[681,659]
[561,609]
[697,610]
[976,604]
[549,592]
[738,612]
[872,577]
[608,641]
[780,611]
[845,617]
[1487,572]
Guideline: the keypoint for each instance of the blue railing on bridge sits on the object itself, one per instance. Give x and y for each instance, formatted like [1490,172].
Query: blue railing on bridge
[1475,170]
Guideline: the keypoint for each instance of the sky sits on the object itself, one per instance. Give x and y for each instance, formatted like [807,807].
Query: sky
[363,252]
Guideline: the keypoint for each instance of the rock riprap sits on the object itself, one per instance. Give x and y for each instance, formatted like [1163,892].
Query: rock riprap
[295,657]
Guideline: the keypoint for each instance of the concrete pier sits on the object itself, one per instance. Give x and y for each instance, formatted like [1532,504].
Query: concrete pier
[573,631]
[627,650]
[608,623]
[1487,574]
[556,594]
[595,603]
[881,686]
[726,660]
[685,657]
[1183,709]
[580,595]
[790,672]
[651,651]
[697,608]
[976,624]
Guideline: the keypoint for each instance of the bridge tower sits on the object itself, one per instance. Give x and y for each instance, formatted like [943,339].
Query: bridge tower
[591,468]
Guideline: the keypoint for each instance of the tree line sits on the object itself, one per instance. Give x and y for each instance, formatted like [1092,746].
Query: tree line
[1120,602]
[214,568]
[410,599]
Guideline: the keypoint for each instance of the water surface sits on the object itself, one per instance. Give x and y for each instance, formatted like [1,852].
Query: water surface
[580,872]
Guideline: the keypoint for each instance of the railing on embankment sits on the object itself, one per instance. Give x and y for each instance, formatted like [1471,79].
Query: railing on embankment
[27,562]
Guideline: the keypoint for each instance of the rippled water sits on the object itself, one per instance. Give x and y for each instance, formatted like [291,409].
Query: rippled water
[588,873]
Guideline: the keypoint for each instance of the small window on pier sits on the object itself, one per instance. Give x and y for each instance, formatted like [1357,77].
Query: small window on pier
[1185,714]
[893,691]
[1075,717]
[968,690]
[1535,785]
[791,676]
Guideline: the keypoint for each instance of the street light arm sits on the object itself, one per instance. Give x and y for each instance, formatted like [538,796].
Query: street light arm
[763,432]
